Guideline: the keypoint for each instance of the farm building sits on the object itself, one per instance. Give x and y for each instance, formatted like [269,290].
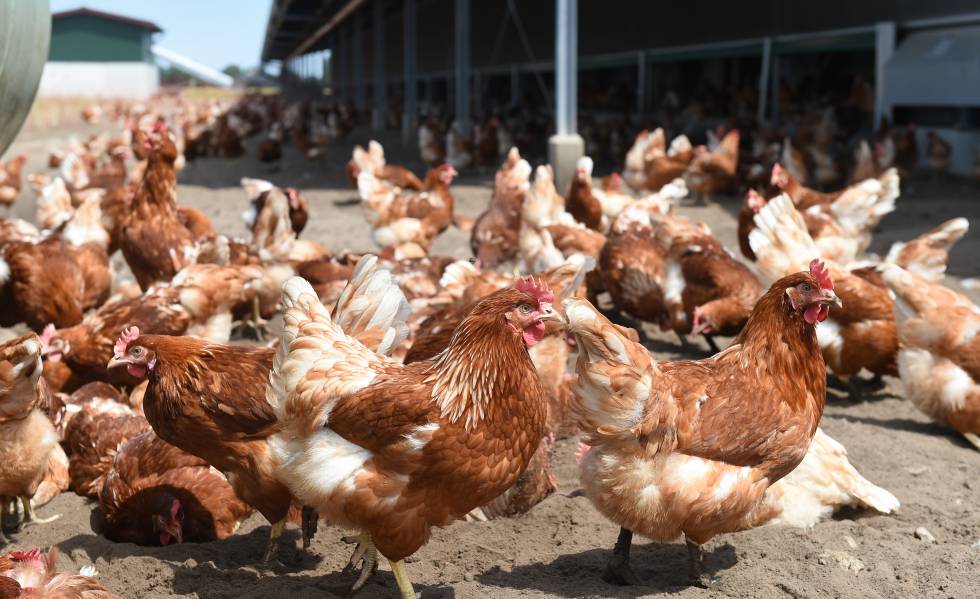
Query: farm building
[405,56]
[95,53]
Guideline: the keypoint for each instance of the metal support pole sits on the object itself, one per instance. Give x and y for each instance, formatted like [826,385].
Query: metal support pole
[566,65]
[884,49]
[641,83]
[462,50]
[380,99]
[763,102]
[515,85]
[358,55]
[565,147]
[409,129]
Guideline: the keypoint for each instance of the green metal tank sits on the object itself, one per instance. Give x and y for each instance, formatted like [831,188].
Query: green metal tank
[25,30]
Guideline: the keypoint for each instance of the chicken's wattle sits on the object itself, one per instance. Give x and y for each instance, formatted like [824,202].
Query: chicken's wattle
[533,333]
[816,313]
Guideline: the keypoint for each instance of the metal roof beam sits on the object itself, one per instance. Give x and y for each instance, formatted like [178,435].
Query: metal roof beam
[324,29]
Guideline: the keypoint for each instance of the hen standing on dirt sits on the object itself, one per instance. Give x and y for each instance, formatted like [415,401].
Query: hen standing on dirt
[691,447]
[392,450]
[154,242]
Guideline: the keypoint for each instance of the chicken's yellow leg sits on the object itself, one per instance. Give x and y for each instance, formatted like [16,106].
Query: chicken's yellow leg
[401,577]
[30,517]
[273,547]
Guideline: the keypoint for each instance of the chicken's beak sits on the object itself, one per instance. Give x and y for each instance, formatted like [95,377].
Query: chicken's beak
[549,313]
[831,298]
[701,328]
[117,361]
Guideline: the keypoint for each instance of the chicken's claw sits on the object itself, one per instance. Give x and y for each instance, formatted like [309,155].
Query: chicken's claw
[618,570]
[30,517]
[272,549]
[701,577]
[365,554]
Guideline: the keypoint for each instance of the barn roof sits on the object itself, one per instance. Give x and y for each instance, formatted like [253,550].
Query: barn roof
[151,27]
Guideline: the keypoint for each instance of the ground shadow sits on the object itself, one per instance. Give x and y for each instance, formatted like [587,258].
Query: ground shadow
[663,568]
[931,429]
[245,583]
[237,551]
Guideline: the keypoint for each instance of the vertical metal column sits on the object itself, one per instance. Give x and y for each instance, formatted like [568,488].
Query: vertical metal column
[884,48]
[462,67]
[357,52]
[763,102]
[409,128]
[566,146]
[380,99]
[566,65]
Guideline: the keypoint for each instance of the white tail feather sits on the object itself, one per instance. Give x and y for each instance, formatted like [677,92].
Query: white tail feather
[781,241]
[372,301]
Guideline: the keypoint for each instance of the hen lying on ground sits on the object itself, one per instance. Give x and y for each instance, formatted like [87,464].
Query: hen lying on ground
[156,494]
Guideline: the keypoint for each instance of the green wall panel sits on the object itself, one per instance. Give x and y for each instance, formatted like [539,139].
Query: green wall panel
[86,38]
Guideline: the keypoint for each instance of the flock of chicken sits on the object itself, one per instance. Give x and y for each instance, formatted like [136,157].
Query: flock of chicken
[406,390]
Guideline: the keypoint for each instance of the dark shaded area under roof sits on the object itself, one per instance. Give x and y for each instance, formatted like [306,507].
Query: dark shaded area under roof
[605,27]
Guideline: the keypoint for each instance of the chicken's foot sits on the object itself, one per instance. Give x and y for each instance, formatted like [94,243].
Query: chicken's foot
[366,554]
[310,520]
[973,438]
[711,344]
[476,515]
[618,570]
[401,577]
[696,555]
[254,322]
[272,549]
[30,517]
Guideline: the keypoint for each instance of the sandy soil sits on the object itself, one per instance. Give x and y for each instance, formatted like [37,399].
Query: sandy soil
[559,549]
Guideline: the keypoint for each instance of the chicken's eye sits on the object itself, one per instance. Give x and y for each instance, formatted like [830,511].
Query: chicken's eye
[525,309]
[805,287]
[137,351]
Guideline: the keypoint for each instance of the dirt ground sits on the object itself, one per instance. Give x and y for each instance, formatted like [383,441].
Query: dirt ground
[559,549]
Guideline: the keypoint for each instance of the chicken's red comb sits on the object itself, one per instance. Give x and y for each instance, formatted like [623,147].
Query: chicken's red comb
[583,448]
[819,272]
[158,127]
[24,556]
[128,336]
[539,289]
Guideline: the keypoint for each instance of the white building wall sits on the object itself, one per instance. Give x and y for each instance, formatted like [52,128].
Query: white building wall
[136,80]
